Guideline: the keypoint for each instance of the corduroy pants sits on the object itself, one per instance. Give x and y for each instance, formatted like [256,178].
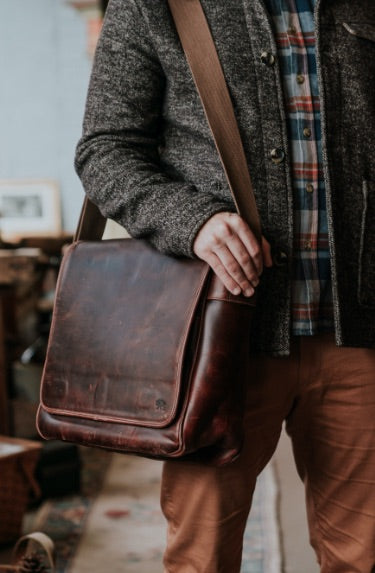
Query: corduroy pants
[326,394]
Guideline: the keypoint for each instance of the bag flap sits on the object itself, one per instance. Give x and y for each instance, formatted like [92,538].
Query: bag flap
[122,316]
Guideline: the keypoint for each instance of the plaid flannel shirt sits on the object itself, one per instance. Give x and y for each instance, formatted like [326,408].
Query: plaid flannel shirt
[295,38]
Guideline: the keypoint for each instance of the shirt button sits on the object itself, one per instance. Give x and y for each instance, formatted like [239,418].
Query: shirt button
[307,245]
[300,78]
[267,58]
[307,132]
[309,187]
[277,155]
[292,31]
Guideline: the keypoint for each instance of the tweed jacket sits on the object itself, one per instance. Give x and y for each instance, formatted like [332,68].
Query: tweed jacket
[146,156]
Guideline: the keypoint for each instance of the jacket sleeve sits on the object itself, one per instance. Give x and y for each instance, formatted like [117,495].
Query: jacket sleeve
[117,156]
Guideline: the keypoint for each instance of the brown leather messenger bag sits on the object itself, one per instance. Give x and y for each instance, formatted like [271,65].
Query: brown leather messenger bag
[148,353]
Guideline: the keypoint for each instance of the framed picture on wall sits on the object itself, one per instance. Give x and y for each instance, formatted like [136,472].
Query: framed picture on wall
[29,208]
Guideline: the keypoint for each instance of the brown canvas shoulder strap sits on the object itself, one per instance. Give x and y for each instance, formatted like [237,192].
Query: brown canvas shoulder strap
[200,51]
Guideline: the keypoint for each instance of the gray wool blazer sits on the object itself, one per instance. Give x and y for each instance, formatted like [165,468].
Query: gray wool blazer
[146,156]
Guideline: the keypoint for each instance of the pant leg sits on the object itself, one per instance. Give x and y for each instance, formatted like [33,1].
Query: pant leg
[333,432]
[207,507]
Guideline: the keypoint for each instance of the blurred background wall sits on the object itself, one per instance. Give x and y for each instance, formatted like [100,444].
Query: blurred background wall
[46,49]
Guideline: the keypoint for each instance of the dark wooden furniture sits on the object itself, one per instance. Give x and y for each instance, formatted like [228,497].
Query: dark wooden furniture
[23,270]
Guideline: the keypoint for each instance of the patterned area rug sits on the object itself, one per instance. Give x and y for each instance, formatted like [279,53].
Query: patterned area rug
[117,526]
[64,519]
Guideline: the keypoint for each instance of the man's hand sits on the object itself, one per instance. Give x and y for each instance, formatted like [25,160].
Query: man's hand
[228,245]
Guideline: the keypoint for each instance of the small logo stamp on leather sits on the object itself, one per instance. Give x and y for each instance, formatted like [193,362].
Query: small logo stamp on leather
[161,405]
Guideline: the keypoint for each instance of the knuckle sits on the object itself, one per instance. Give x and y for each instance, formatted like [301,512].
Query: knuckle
[224,231]
[257,257]
[237,222]
[216,241]
[244,259]
[220,236]
[233,268]
[257,252]
[216,266]
[241,225]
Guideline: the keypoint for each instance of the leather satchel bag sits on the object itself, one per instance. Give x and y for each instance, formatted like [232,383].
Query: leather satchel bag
[148,354]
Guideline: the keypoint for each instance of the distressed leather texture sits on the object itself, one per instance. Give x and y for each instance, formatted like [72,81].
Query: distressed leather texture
[147,355]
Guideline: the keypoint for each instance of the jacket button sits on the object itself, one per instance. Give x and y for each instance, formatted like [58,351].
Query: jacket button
[280,258]
[277,155]
[267,58]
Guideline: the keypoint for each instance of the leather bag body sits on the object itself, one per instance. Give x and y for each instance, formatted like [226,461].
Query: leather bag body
[148,354]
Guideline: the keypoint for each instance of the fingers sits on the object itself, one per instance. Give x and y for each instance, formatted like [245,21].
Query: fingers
[251,245]
[228,245]
[230,283]
[236,277]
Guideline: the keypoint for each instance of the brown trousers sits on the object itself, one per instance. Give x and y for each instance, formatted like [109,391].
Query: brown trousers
[326,395]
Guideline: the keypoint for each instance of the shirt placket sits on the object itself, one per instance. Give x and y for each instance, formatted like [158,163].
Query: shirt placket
[306,177]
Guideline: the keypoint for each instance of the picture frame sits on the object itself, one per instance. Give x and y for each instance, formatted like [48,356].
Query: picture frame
[29,208]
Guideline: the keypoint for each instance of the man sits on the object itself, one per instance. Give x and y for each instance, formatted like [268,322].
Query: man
[301,77]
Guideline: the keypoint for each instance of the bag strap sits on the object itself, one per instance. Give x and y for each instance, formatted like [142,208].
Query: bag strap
[200,52]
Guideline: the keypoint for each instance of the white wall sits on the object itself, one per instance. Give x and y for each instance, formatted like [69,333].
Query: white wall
[44,69]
